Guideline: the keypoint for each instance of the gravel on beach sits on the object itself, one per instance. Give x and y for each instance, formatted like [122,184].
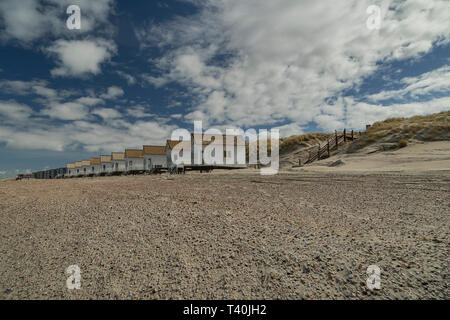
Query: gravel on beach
[226,236]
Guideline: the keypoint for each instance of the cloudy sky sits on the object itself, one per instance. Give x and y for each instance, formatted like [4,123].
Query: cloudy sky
[136,70]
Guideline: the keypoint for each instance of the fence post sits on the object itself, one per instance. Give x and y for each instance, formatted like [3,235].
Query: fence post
[328,148]
[318,153]
[352,135]
[299,162]
[335,133]
[345,135]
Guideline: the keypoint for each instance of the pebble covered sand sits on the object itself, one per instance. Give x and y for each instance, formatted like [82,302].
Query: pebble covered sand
[226,236]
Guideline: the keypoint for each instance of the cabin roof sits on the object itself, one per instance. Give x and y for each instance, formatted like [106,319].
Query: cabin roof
[95,161]
[117,156]
[86,163]
[133,153]
[206,139]
[71,165]
[155,150]
[172,143]
[104,159]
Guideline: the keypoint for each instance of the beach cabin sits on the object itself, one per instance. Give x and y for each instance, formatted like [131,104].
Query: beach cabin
[134,160]
[53,173]
[60,173]
[95,167]
[170,144]
[118,162]
[85,166]
[78,169]
[155,158]
[106,165]
[232,146]
[70,170]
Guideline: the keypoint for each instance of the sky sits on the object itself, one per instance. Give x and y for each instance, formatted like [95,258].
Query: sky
[137,70]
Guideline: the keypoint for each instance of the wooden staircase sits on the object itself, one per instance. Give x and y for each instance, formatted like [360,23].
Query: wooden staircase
[340,138]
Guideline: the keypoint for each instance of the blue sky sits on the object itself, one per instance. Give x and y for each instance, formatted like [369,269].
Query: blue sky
[137,70]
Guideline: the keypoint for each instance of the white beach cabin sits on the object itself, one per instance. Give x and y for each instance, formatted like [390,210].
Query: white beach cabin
[170,144]
[95,168]
[118,162]
[134,160]
[70,170]
[106,165]
[154,158]
[233,148]
[85,166]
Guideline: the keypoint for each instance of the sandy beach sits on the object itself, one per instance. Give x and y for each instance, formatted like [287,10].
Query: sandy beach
[234,235]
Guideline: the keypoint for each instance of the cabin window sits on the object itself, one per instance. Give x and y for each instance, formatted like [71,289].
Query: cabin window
[92,168]
[84,169]
[104,167]
[130,163]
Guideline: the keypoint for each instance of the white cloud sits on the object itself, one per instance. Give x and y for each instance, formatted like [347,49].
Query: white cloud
[290,129]
[286,58]
[107,113]
[22,87]
[90,101]
[138,112]
[66,111]
[112,93]
[130,79]
[22,19]
[81,57]
[13,111]
[436,81]
[21,128]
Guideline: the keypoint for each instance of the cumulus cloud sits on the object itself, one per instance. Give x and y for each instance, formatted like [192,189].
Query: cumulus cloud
[23,87]
[436,81]
[251,63]
[13,111]
[138,111]
[112,93]
[66,111]
[90,101]
[70,125]
[81,57]
[130,79]
[107,113]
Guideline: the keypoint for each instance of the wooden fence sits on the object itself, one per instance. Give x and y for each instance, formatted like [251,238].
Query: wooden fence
[332,144]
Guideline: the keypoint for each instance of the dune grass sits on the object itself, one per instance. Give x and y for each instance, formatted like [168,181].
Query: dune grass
[401,131]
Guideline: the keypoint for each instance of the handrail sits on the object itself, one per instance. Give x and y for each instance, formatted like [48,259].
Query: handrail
[330,145]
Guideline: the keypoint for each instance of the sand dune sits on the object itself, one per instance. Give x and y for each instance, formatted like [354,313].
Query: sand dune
[417,158]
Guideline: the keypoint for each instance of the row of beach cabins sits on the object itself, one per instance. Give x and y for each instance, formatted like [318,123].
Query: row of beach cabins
[149,159]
